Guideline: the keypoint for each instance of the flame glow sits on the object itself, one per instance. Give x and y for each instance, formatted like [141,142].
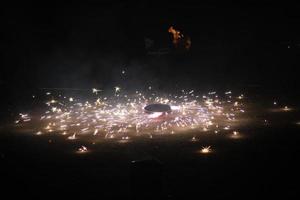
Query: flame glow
[179,39]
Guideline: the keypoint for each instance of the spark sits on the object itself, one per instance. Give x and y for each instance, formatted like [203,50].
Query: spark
[52,101]
[206,150]
[95,132]
[236,135]
[94,90]
[194,139]
[286,108]
[39,133]
[117,89]
[23,118]
[155,115]
[124,139]
[82,149]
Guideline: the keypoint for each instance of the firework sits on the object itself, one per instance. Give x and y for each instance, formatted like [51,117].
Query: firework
[123,115]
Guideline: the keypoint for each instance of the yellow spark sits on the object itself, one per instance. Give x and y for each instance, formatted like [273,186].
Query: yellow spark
[206,150]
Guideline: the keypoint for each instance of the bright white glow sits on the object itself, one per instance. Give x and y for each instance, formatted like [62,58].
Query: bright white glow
[155,115]
[117,89]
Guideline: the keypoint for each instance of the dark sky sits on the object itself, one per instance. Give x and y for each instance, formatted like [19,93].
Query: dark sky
[88,44]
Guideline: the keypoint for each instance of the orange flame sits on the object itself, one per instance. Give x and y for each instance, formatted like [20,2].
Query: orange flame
[179,39]
[176,35]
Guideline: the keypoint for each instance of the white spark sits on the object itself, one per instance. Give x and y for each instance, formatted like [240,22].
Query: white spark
[117,89]
[94,90]
[82,149]
[206,150]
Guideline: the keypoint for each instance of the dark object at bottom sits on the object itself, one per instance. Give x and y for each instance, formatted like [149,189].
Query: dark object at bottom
[146,179]
[157,107]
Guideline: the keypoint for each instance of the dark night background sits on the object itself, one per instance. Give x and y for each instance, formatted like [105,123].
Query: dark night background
[250,45]
[88,44]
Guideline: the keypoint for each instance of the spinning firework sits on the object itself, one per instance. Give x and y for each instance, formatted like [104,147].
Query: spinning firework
[123,115]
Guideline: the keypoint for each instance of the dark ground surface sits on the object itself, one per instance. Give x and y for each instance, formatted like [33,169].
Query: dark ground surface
[262,163]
